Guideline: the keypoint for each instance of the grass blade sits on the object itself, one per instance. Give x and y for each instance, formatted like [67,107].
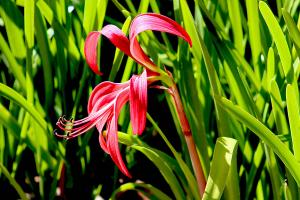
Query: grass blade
[267,136]
[29,8]
[254,32]
[68,41]
[12,95]
[236,24]
[294,119]
[198,49]
[44,49]
[13,64]
[279,39]
[89,15]
[12,18]
[13,182]
[164,169]
[224,155]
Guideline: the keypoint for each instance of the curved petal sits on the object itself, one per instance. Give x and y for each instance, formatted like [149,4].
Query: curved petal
[112,133]
[154,22]
[102,139]
[105,89]
[111,32]
[138,102]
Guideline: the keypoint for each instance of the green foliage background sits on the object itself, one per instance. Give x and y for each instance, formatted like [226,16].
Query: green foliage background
[238,83]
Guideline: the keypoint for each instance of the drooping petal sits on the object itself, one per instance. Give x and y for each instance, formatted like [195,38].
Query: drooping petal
[112,133]
[111,32]
[154,22]
[138,102]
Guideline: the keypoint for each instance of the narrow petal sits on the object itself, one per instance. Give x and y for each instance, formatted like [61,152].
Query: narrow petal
[154,22]
[111,32]
[138,102]
[105,90]
[112,133]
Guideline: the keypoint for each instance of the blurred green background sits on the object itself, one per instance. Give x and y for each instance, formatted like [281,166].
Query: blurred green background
[239,81]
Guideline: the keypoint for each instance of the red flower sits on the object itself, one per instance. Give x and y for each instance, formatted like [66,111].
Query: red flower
[107,98]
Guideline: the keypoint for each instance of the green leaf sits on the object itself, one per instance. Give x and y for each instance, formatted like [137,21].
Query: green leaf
[12,95]
[14,66]
[162,161]
[292,27]
[89,15]
[270,68]
[12,18]
[29,8]
[187,172]
[199,48]
[225,155]
[279,39]
[293,30]
[66,38]
[254,31]
[278,110]
[236,24]
[164,169]
[275,176]
[44,50]
[143,7]
[102,7]
[267,136]
[13,182]
[8,120]
[294,119]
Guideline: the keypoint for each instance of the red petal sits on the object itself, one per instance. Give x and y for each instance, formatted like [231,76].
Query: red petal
[105,92]
[100,126]
[138,102]
[154,22]
[112,133]
[114,34]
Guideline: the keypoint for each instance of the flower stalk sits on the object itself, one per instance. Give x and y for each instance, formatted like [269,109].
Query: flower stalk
[185,127]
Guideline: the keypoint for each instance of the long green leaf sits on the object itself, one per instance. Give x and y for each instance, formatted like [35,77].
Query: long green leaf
[12,18]
[161,160]
[292,27]
[294,119]
[236,24]
[12,95]
[29,9]
[224,155]
[267,136]
[165,170]
[13,182]
[66,38]
[277,108]
[279,39]
[187,172]
[89,15]
[13,64]
[254,33]
[199,48]
[8,120]
[44,48]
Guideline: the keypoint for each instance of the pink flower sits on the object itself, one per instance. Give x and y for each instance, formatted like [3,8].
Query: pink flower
[104,106]
[108,98]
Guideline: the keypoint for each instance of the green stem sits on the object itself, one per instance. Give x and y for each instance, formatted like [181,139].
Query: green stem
[13,182]
[124,11]
[185,126]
